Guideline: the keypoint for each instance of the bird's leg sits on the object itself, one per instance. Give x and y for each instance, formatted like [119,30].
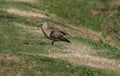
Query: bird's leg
[52,42]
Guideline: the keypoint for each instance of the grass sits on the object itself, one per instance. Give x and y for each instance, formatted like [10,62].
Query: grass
[75,12]
[21,49]
[103,49]
[28,65]
[78,12]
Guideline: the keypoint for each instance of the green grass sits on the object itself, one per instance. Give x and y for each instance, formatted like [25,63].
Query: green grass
[78,12]
[75,12]
[17,42]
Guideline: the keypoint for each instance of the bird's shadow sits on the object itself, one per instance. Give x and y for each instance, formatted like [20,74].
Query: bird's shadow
[35,43]
[41,43]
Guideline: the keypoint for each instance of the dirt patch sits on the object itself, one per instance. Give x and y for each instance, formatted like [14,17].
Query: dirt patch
[28,1]
[25,13]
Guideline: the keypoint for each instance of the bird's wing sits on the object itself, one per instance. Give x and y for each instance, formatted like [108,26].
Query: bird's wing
[56,35]
[55,29]
[64,33]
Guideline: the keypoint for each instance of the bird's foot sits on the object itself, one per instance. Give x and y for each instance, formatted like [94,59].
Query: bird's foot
[52,42]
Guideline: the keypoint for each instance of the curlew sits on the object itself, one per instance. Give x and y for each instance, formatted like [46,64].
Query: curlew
[54,34]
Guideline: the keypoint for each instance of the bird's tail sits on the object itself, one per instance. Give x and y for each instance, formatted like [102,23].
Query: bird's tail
[65,40]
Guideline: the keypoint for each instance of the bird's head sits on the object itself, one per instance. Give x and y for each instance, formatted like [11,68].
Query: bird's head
[44,25]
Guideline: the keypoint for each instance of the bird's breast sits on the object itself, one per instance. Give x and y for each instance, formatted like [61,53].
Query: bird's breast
[47,33]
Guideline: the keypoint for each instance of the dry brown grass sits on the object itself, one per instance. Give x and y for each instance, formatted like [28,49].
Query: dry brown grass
[29,1]
[25,13]
[93,61]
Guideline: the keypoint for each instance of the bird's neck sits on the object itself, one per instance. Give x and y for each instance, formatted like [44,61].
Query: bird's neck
[46,30]
[45,26]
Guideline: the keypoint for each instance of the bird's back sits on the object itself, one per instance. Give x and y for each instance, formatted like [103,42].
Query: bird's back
[58,35]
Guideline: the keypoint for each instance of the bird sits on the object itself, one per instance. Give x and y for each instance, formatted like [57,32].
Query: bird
[54,34]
